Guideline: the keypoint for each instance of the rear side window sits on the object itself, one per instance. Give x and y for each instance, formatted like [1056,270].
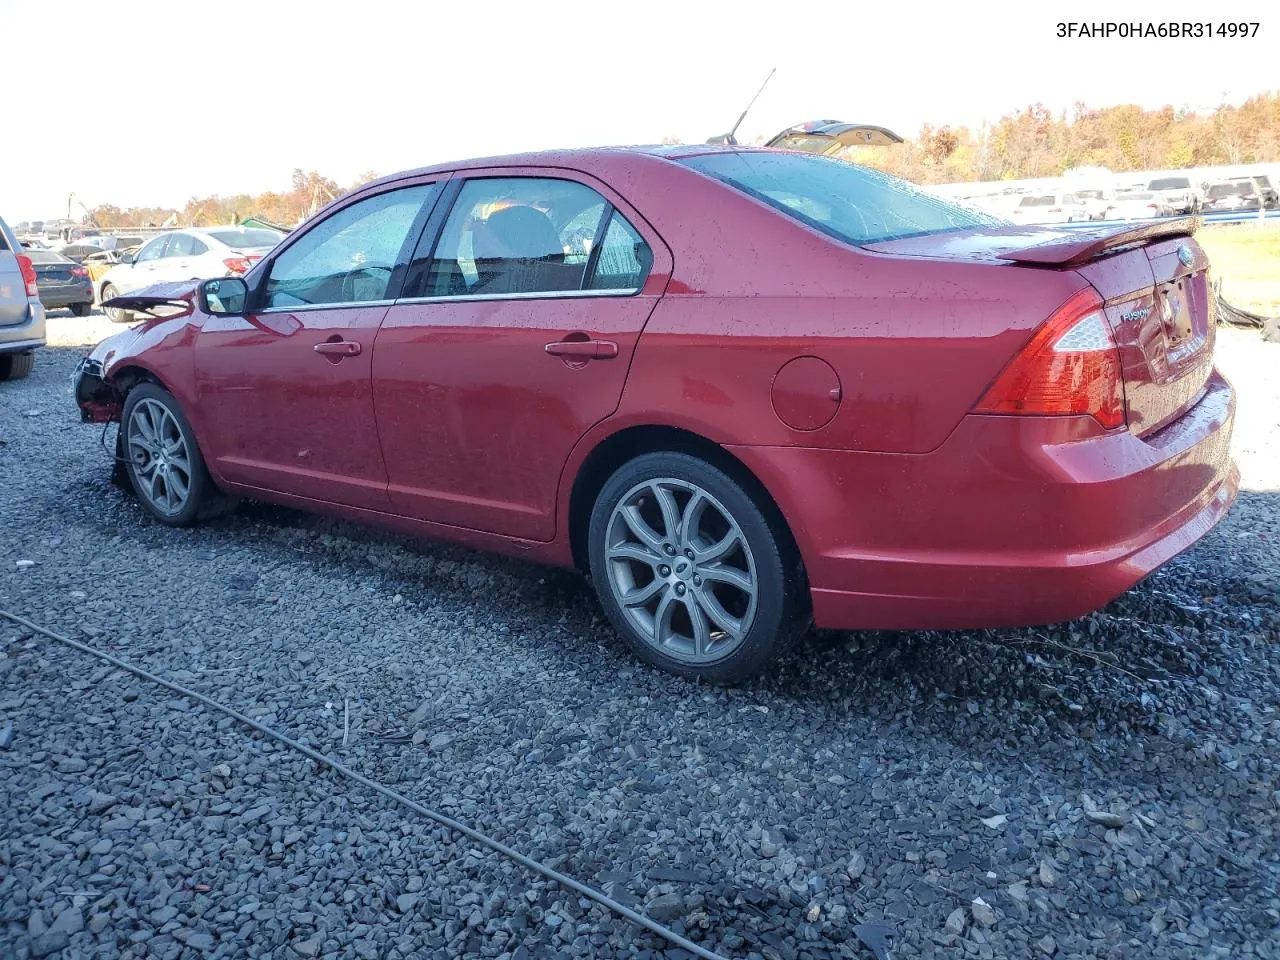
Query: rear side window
[517,235]
[854,204]
[347,257]
[624,259]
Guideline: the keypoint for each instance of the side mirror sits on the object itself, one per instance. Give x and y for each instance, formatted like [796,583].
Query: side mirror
[126,258]
[225,296]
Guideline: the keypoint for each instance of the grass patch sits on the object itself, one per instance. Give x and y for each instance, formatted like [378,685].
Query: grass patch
[1246,257]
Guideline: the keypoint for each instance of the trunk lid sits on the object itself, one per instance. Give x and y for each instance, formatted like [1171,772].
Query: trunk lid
[54,272]
[1159,304]
[1153,279]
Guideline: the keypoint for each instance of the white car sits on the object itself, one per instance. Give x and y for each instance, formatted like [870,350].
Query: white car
[196,253]
[1137,205]
[1050,208]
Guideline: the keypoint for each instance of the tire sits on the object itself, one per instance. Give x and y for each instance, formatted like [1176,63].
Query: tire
[114,314]
[742,629]
[80,309]
[16,366]
[163,461]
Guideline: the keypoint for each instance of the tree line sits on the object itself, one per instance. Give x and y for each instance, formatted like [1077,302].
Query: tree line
[1034,142]
[1029,143]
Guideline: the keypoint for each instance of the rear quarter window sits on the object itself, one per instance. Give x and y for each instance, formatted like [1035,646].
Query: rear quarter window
[854,204]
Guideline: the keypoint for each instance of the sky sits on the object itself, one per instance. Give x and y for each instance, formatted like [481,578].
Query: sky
[151,102]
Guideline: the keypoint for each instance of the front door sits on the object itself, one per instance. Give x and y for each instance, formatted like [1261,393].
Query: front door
[285,392]
[513,339]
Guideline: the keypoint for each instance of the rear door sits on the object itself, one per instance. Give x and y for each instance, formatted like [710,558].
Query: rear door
[285,392]
[513,339]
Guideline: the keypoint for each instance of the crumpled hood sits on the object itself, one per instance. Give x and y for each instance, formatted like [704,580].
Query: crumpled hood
[177,293]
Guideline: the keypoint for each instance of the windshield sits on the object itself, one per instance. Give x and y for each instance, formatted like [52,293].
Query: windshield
[851,203]
[247,238]
[1170,183]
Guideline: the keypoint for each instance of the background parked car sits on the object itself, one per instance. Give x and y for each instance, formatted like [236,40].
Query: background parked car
[1176,194]
[1050,208]
[21,313]
[62,282]
[197,253]
[1267,192]
[1137,205]
[1232,196]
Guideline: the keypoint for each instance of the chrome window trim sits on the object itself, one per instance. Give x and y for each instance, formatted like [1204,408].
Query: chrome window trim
[303,307]
[535,295]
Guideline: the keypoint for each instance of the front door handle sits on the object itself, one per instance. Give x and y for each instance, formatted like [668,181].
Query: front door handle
[338,348]
[583,349]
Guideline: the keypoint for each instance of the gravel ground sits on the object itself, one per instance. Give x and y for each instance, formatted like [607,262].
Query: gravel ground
[1101,789]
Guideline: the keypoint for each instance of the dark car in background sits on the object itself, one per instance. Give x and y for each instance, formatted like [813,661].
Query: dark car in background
[21,313]
[1232,196]
[62,282]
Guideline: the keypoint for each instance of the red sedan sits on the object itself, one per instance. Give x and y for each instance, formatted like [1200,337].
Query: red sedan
[742,389]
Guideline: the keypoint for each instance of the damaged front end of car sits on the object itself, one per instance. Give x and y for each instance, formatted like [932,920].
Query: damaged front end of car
[99,391]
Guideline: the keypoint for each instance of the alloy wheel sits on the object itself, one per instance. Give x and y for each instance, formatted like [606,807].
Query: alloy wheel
[681,570]
[160,456]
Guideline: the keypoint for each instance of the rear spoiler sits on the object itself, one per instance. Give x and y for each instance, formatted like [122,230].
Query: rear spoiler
[1077,247]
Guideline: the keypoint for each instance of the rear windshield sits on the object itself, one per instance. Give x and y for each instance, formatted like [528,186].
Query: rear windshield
[1219,190]
[848,202]
[246,238]
[46,256]
[1170,183]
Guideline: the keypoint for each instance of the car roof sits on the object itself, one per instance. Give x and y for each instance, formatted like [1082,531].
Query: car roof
[584,158]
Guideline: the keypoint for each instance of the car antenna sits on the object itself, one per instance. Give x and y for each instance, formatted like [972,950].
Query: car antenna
[728,138]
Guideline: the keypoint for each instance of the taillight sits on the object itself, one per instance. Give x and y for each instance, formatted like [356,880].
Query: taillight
[79,272]
[28,274]
[1070,366]
[241,264]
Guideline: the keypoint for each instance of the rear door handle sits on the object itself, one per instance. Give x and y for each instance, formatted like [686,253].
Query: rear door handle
[338,348]
[583,349]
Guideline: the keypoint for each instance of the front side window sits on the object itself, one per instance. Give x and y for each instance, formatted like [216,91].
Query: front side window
[347,257]
[516,235]
[850,203]
[153,250]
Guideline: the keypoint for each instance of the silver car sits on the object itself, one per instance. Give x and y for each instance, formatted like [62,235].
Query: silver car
[21,313]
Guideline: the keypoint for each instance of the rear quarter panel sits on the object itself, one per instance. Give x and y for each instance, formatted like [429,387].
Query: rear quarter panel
[913,341]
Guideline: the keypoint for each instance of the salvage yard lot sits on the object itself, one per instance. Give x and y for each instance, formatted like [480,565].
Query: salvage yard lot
[1108,787]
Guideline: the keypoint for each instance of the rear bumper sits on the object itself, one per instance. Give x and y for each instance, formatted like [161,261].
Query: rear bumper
[27,335]
[1014,521]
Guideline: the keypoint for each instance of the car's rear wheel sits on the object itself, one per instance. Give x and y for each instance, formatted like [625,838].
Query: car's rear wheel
[114,314]
[691,571]
[164,463]
[15,366]
[81,309]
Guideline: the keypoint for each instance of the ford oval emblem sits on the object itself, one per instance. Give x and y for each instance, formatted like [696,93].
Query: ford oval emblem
[1186,256]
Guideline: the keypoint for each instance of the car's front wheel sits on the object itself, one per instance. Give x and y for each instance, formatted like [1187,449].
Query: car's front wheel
[691,571]
[164,463]
[114,314]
